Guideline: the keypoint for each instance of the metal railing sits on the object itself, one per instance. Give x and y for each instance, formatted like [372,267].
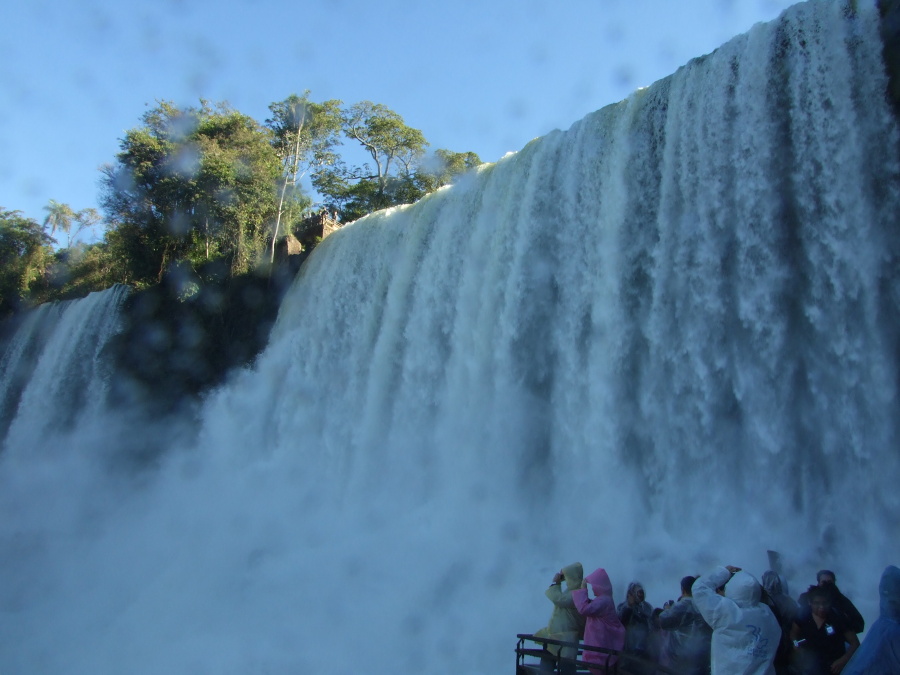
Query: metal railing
[548,662]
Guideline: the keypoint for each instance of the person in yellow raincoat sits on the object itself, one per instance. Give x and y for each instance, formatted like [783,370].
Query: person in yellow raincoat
[565,622]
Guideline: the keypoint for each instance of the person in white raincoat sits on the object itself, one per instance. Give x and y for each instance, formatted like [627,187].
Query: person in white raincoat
[745,632]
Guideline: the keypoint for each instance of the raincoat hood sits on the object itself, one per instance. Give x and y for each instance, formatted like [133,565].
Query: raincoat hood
[880,651]
[600,583]
[889,590]
[633,586]
[744,589]
[565,622]
[603,628]
[574,574]
[746,634]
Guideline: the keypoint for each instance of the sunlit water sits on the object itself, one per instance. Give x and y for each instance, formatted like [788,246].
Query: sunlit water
[662,340]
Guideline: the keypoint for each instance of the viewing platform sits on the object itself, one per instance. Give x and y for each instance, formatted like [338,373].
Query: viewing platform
[540,661]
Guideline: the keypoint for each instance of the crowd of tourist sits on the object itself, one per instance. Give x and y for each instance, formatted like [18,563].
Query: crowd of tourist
[724,622]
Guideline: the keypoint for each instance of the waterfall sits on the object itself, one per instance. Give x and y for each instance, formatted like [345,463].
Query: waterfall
[662,340]
[54,374]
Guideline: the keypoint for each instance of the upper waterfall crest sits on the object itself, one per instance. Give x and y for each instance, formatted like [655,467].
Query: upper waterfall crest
[701,272]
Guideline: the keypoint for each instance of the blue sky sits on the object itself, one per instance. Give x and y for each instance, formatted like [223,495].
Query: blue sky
[486,76]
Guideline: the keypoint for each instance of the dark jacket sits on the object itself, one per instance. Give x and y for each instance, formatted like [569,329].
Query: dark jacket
[637,622]
[820,647]
[849,615]
[785,609]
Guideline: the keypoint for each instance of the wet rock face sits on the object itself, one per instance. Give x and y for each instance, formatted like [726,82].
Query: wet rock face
[176,344]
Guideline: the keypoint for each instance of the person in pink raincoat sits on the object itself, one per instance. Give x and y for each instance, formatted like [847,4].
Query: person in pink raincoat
[602,627]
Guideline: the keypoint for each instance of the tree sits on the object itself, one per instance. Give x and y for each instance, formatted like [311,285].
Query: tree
[199,184]
[59,217]
[443,167]
[386,137]
[303,135]
[400,172]
[145,190]
[25,254]
[394,148]
[85,220]
[237,179]
[191,184]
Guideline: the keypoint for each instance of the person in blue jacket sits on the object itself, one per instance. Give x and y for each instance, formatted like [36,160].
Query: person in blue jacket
[879,653]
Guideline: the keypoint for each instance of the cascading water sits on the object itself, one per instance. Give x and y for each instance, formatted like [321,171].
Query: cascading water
[54,371]
[662,340]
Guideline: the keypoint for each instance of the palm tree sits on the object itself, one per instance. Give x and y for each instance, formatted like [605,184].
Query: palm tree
[59,217]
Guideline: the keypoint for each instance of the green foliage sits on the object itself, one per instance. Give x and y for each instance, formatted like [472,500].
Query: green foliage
[59,217]
[32,273]
[394,148]
[400,172]
[207,185]
[25,254]
[78,270]
[385,136]
[191,184]
[131,254]
[86,219]
[304,135]
[72,223]
[445,166]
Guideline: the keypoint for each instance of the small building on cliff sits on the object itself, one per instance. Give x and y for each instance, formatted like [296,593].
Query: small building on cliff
[313,229]
[316,227]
